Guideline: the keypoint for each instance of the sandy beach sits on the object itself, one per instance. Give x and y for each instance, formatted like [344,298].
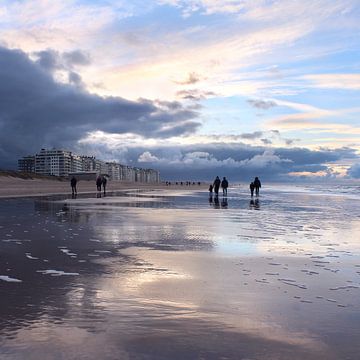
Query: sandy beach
[174,274]
[17,187]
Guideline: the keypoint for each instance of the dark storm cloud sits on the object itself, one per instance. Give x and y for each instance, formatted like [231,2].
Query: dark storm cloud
[48,59]
[236,160]
[76,57]
[262,104]
[75,79]
[53,60]
[242,162]
[36,111]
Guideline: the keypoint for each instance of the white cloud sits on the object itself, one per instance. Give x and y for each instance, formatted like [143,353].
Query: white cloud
[334,81]
[147,157]
[200,159]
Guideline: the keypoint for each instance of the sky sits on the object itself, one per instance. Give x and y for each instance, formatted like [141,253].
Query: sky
[193,88]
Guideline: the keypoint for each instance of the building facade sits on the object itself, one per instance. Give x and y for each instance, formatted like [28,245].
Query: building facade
[53,162]
[27,164]
[62,163]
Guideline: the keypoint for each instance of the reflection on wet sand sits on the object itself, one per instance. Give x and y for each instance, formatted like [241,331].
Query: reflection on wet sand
[154,276]
[254,204]
[215,202]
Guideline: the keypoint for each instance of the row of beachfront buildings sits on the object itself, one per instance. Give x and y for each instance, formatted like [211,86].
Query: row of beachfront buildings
[64,163]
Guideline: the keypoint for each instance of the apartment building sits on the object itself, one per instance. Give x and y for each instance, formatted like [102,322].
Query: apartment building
[27,164]
[113,170]
[62,163]
[53,162]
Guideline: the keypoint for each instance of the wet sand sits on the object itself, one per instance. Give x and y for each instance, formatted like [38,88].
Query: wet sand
[17,187]
[172,274]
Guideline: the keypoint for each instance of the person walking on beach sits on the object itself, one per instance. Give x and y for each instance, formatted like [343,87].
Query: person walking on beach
[216,185]
[98,183]
[224,185]
[257,185]
[210,189]
[73,183]
[104,181]
[252,187]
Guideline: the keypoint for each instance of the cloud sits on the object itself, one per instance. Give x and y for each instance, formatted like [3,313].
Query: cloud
[311,122]
[290,141]
[193,78]
[194,94]
[36,111]
[354,171]
[54,60]
[264,11]
[262,104]
[76,57]
[229,157]
[252,136]
[146,157]
[334,81]
[266,141]
[203,159]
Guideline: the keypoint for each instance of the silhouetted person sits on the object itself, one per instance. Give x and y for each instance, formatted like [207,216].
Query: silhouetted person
[104,181]
[252,187]
[224,185]
[73,183]
[210,189]
[257,185]
[98,183]
[216,185]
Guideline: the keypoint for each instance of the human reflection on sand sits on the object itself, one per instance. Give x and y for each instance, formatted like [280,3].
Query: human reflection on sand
[155,276]
[254,204]
[218,203]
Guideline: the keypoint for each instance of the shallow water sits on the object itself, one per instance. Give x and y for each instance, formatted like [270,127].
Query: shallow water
[179,275]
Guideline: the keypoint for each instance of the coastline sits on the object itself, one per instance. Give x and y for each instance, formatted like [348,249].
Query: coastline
[12,187]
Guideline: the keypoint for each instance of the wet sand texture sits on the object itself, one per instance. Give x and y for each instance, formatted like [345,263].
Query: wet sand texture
[176,275]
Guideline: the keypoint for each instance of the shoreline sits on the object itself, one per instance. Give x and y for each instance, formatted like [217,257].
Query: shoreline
[11,187]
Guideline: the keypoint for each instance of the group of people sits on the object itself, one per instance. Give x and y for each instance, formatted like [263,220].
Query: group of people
[254,186]
[216,186]
[101,181]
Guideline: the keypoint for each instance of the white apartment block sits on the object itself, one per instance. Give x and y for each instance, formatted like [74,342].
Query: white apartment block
[53,162]
[62,163]
[113,170]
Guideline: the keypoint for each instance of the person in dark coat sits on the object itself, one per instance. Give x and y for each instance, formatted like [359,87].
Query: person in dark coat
[252,187]
[216,185]
[224,185]
[104,181]
[73,183]
[210,189]
[98,183]
[257,185]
